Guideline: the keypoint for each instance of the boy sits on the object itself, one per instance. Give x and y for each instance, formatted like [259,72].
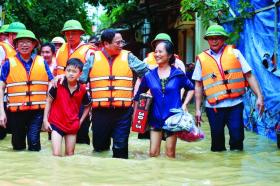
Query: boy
[61,115]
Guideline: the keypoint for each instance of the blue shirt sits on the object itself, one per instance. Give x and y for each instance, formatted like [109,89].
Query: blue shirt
[164,101]
[138,66]
[27,65]
[245,69]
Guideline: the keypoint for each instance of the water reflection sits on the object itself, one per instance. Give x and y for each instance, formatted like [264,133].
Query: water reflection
[194,165]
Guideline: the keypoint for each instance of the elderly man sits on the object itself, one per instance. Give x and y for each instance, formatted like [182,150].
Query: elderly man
[111,85]
[221,74]
[26,77]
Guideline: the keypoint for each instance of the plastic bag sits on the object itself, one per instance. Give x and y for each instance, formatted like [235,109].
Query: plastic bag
[183,124]
[191,136]
[181,121]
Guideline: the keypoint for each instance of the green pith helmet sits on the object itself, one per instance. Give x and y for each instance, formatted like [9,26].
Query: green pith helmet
[215,30]
[161,37]
[26,34]
[15,27]
[4,28]
[72,25]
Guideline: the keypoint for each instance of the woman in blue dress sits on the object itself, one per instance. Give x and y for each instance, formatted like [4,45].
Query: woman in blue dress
[165,83]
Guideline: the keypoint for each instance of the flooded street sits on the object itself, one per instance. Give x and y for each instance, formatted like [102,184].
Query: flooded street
[259,164]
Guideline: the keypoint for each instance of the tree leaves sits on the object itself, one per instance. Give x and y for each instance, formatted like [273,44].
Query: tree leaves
[46,18]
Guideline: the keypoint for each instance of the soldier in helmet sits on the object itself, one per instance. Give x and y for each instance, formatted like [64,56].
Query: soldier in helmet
[26,77]
[221,74]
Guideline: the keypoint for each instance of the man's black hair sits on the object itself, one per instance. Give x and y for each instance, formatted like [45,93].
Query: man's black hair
[108,35]
[52,47]
[76,63]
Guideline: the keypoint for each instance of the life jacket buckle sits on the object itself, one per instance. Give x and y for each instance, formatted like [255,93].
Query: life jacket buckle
[111,77]
[213,76]
[28,103]
[111,87]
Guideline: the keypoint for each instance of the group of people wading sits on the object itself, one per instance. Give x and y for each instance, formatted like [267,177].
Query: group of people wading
[73,85]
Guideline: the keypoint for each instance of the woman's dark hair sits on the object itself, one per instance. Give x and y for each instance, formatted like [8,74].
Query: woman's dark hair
[169,47]
[108,35]
[76,63]
[52,47]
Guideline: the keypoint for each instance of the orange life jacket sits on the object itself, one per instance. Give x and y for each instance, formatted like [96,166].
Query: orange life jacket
[227,82]
[111,85]
[9,50]
[63,55]
[27,91]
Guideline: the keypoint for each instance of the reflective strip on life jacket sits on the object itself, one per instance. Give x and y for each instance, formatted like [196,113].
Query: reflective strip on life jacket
[111,78]
[60,67]
[111,88]
[216,95]
[109,99]
[26,103]
[26,93]
[223,82]
[27,83]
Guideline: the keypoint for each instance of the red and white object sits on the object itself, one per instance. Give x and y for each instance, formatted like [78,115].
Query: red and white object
[141,112]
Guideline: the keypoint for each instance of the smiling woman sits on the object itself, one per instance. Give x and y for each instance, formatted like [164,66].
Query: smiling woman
[165,83]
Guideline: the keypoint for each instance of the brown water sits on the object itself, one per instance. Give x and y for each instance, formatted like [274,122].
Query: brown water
[259,164]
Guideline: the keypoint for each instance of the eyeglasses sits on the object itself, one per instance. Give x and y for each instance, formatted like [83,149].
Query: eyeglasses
[26,42]
[215,38]
[121,42]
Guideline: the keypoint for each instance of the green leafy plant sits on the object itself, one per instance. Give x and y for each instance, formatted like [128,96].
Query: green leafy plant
[218,11]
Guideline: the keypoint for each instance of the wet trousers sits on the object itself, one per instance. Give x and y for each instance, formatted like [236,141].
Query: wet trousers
[233,118]
[26,124]
[110,123]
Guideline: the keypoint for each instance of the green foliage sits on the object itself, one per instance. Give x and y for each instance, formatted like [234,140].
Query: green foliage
[217,11]
[116,11]
[46,18]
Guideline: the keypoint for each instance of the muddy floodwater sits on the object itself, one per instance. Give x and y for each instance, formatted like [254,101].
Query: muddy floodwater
[259,164]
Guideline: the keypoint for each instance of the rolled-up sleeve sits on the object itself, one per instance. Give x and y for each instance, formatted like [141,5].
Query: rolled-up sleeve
[138,66]
[5,70]
[197,72]
[86,69]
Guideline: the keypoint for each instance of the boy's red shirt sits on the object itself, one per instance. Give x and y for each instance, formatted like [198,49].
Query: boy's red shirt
[64,112]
